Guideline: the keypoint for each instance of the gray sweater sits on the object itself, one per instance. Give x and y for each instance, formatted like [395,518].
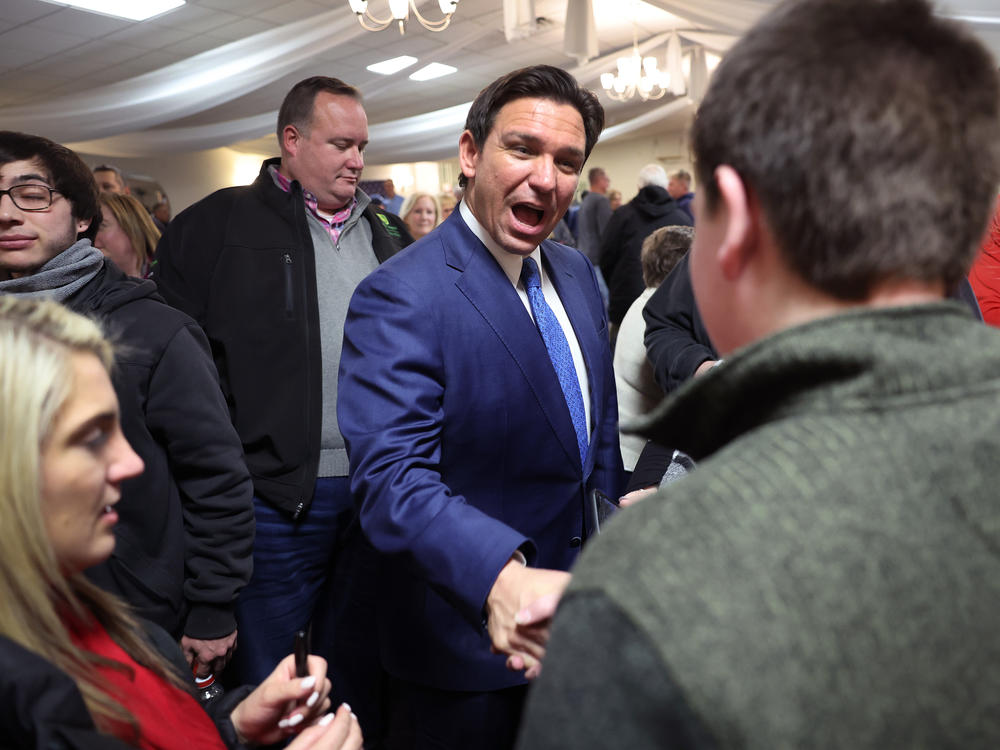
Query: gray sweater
[827,578]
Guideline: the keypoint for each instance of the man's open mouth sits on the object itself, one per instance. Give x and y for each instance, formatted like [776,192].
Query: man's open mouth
[528,214]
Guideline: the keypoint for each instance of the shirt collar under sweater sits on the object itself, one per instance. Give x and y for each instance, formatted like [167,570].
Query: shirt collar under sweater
[333,223]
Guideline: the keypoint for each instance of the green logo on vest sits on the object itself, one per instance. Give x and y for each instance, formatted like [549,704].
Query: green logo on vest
[389,227]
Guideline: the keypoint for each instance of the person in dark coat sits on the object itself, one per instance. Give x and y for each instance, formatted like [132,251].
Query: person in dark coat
[621,245]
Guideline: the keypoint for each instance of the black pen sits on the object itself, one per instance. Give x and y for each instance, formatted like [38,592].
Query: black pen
[301,654]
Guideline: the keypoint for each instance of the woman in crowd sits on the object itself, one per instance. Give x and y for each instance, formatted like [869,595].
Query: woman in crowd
[447,201]
[421,213]
[76,669]
[127,234]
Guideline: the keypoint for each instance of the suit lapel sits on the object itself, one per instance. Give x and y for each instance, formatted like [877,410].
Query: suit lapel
[489,290]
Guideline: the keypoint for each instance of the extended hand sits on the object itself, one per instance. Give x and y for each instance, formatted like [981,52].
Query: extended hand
[519,609]
[206,657]
[283,704]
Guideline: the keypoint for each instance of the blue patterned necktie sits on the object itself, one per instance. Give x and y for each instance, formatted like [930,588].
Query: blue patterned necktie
[559,353]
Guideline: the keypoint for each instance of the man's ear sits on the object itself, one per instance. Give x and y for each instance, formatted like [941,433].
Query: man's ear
[739,240]
[468,154]
[82,225]
[290,137]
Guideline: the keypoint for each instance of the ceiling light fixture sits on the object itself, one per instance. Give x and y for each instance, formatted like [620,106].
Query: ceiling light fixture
[432,70]
[396,64]
[642,76]
[133,10]
[399,12]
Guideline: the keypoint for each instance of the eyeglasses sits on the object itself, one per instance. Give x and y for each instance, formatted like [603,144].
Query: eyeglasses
[30,197]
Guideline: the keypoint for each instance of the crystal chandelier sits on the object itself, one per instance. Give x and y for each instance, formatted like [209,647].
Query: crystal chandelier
[642,76]
[399,11]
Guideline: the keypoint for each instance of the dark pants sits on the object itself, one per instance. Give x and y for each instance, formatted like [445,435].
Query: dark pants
[423,718]
[293,563]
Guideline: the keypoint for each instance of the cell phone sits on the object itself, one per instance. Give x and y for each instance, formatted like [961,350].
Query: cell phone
[301,652]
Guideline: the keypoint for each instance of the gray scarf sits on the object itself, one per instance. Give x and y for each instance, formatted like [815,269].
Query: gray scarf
[62,276]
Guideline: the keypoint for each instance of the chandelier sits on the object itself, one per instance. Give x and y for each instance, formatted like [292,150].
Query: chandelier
[641,75]
[399,11]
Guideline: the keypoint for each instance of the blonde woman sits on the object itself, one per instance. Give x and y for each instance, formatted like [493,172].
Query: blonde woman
[448,202]
[421,213]
[127,235]
[76,669]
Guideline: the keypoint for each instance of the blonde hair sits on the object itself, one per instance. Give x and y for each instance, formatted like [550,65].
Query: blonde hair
[37,341]
[134,220]
[411,201]
[447,200]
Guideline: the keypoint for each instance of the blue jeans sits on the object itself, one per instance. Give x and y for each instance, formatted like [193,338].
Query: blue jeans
[293,563]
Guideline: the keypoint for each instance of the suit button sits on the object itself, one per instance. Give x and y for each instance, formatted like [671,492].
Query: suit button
[575,542]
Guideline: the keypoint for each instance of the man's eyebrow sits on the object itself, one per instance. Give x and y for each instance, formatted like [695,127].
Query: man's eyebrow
[535,140]
[17,180]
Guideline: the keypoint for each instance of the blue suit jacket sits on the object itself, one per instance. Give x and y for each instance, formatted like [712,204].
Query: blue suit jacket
[462,448]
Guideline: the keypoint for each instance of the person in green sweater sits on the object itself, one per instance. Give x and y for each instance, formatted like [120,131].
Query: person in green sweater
[829,575]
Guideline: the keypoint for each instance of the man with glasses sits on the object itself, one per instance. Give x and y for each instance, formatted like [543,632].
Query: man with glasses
[183,542]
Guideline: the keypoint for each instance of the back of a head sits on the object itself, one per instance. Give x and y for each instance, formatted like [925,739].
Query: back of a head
[297,107]
[867,130]
[662,250]
[652,174]
[69,175]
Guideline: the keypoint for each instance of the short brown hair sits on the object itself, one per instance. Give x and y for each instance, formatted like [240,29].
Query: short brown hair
[662,250]
[868,132]
[297,108]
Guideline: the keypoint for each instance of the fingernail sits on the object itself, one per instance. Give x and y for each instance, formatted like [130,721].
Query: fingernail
[295,720]
[354,716]
[283,724]
[308,682]
[346,706]
[325,720]
[520,618]
[312,699]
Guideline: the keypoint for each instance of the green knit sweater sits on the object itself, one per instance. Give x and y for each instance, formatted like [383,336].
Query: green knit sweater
[827,578]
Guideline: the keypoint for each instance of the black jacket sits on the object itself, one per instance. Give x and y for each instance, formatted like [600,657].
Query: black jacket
[241,263]
[185,535]
[621,244]
[41,707]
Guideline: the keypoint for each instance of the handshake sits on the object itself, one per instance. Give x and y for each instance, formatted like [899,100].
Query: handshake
[519,612]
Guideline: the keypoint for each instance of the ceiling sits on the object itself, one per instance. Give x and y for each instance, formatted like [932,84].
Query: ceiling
[59,65]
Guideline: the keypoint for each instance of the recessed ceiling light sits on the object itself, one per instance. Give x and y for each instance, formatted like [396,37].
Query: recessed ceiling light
[396,64]
[434,70]
[133,10]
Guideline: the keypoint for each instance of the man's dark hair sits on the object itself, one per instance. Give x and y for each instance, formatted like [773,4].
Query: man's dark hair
[595,174]
[297,108]
[67,173]
[538,82]
[662,250]
[112,168]
[868,132]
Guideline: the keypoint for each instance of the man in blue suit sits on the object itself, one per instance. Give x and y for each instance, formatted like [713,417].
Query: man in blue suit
[478,404]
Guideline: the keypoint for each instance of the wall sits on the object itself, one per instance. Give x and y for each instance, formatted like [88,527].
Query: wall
[622,159]
[190,177]
[187,178]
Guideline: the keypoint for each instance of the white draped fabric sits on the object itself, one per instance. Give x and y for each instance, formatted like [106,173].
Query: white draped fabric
[131,117]
[186,87]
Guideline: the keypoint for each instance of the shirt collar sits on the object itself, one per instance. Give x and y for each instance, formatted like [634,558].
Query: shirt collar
[511,263]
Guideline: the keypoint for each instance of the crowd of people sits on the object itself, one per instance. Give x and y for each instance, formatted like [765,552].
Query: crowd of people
[401,437]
